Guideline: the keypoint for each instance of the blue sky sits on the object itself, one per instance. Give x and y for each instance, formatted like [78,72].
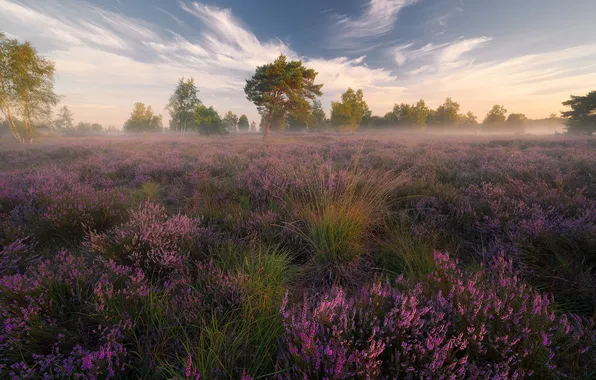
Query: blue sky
[528,55]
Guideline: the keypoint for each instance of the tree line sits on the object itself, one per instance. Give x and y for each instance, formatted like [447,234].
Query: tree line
[285,93]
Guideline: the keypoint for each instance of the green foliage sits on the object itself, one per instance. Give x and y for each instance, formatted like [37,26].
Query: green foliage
[230,121]
[282,87]
[447,113]
[468,119]
[317,113]
[142,119]
[496,115]
[408,115]
[404,253]
[208,120]
[517,119]
[351,111]
[26,86]
[243,123]
[182,105]
[64,120]
[582,117]
[253,127]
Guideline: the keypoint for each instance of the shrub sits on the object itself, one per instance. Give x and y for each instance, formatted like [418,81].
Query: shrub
[480,325]
[150,239]
[336,214]
[56,322]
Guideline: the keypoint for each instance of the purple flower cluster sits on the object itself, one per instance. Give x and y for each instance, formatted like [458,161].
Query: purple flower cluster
[150,239]
[146,258]
[487,324]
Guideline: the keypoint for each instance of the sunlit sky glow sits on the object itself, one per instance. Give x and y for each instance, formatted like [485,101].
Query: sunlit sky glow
[528,55]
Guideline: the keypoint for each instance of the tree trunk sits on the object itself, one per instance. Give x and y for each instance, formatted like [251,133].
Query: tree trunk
[28,131]
[268,126]
[11,124]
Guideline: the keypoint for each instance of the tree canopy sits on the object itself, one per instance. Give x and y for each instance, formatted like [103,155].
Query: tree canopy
[243,123]
[581,119]
[497,115]
[282,87]
[349,113]
[26,87]
[182,105]
[230,121]
[64,120]
[208,120]
[142,119]
[517,119]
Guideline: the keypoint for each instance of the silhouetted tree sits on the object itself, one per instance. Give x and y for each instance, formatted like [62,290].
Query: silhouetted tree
[581,119]
[243,123]
[64,120]
[497,115]
[468,119]
[517,119]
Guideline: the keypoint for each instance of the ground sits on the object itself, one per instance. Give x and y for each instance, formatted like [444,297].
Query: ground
[315,255]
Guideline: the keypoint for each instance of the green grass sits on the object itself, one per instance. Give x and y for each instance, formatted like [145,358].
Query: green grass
[403,253]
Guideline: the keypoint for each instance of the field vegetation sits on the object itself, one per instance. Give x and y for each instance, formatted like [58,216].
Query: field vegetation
[333,257]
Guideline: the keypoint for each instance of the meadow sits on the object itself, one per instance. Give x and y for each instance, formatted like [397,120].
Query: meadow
[316,256]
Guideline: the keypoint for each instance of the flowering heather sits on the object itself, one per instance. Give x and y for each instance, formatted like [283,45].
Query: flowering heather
[487,324]
[150,239]
[170,258]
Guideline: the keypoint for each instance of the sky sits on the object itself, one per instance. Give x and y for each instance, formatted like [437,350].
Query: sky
[528,55]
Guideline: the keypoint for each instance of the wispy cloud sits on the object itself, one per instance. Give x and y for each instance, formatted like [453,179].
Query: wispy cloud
[441,54]
[356,33]
[108,60]
[532,83]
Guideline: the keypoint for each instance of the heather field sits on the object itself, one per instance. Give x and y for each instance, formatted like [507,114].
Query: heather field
[304,257]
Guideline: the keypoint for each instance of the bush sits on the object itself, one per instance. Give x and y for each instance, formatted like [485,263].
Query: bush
[481,325]
[150,239]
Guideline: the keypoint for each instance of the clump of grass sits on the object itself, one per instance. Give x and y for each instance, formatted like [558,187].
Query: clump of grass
[336,215]
[242,341]
[403,253]
[148,191]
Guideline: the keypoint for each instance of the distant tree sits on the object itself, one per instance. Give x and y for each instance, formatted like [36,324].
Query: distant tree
[468,119]
[253,127]
[496,115]
[282,87]
[142,119]
[517,119]
[182,105]
[243,123]
[581,119]
[64,120]
[26,87]
[86,127]
[230,121]
[208,120]
[350,112]
[317,113]
[447,113]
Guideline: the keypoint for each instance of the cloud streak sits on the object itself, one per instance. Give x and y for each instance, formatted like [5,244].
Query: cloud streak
[106,61]
[356,33]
